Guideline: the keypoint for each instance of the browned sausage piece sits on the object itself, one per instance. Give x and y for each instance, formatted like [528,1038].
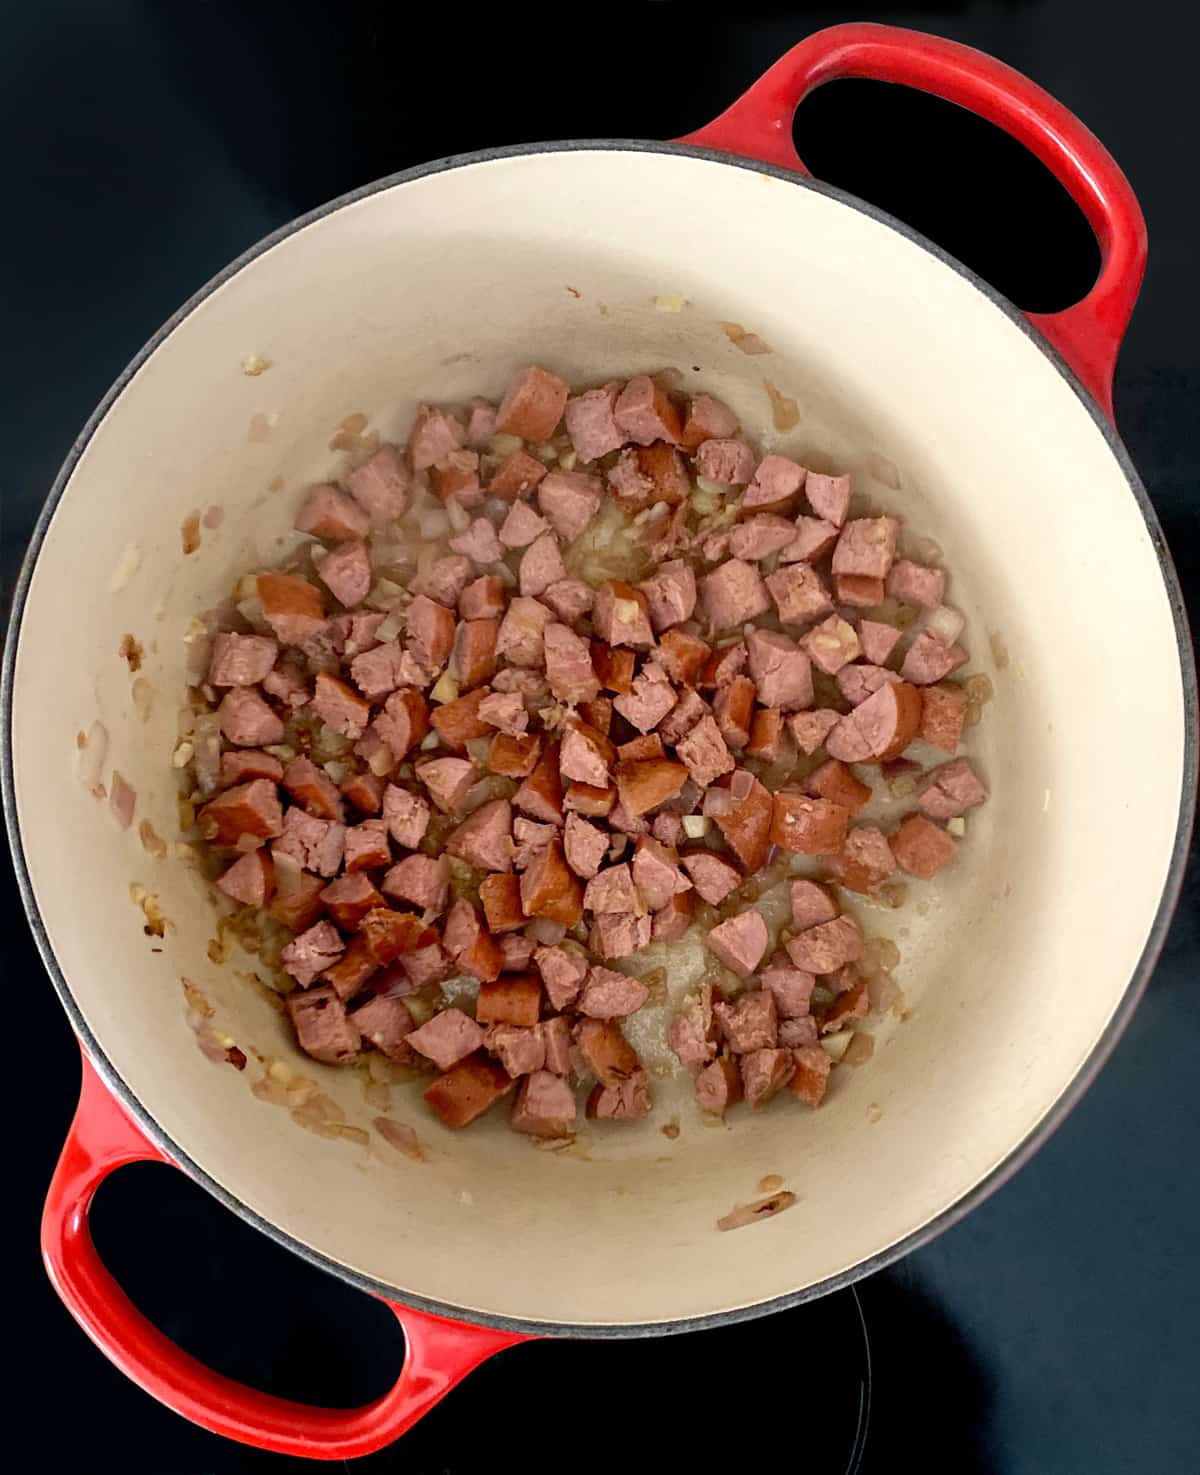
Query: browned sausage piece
[879,728]
[549,888]
[468,1089]
[607,1051]
[923,848]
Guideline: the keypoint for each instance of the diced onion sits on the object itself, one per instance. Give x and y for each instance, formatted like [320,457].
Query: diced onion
[696,826]
[502,444]
[835,1046]
[445,688]
[433,523]
[957,827]
[90,759]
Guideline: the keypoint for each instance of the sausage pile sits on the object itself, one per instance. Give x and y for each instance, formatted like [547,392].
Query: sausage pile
[488,754]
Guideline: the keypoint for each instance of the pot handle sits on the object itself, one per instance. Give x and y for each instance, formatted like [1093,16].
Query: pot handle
[439,1353]
[759,126]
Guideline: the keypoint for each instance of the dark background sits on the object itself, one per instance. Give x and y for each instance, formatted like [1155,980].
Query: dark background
[143,146]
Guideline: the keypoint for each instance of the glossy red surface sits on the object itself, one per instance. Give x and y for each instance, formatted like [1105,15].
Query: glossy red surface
[759,126]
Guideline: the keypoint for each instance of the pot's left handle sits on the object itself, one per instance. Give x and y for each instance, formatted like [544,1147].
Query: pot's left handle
[439,1352]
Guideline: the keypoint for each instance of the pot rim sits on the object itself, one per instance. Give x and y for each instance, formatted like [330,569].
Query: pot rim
[1023,1150]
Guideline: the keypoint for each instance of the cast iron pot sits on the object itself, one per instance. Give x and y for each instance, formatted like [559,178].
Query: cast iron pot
[988,429]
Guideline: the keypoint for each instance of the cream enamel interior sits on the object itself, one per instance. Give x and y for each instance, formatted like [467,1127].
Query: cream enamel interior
[1014,961]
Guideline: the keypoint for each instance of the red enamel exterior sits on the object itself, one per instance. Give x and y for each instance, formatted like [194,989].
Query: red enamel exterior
[1088,335]
[441,1352]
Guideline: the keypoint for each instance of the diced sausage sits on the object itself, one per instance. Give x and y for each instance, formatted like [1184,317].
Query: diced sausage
[533,404]
[681,656]
[447,580]
[775,486]
[628,1101]
[856,683]
[766,735]
[879,728]
[726,461]
[587,799]
[246,719]
[850,1005]
[828,946]
[929,658]
[514,998]
[339,706]
[388,934]
[607,994]
[943,715]
[662,466]
[746,825]
[468,1089]
[514,757]
[522,526]
[712,877]
[858,590]
[644,413]
[315,844]
[733,594]
[866,547]
[250,880]
[670,595]
[312,787]
[469,943]
[814,538]
[690,1034]
[638,749]
[544,1106]
[386,1023]
[241,660]
[381,486]
[406,815]
[828,496]
[516,952]
[364,791]
[833,644]
[611,891]
[811,904]
[366,846]
[795,1033]
[585,846]
[541,795]
[520,638]
[607,1052]
[761,536]
[740,942]
[482,598]
[478,542]
[682,719]
[474,656]
[799,593]
[613,668]
[591,423]
[644,786]
[429,631]
[457,476]
[673,920]
[569,666]
[569,500]
[404,722]
[764,1074]
[630,487]
[240,765]
[541,566]
[598,713]
[864,862]
[914,583]
[346,572]
[808,826]
[878,640]
[423,880]
[791,988]
[834,781]
[705,752]
[448,780]
[620,615]
[291,606]
[504,710]
[780,670]
[323,1028]
[708,418]
[549,888]
[619,934]
[649,699]
[556,1036]
[312,952]
[811,1078]
[656,874]
[516,476]
[351,972]
[481,422]
[810,729]
[923,848]
[349,899]
[562,973]
[379,671]
[434,434]
[330,514]
[719,1085]
[484,840]
[301,906]
[500,896]
[951,790]
[749,1022]
[733,710]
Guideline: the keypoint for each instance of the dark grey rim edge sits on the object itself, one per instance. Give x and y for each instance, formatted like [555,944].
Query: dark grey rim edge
[987,1185]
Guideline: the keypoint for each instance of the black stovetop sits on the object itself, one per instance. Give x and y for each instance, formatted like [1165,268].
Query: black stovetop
[149,143]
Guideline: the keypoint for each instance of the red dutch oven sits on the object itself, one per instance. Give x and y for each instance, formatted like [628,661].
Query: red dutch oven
[989,430]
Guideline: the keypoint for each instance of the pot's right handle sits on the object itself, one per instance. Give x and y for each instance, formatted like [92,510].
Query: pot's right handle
[438,1353]
[1088,335]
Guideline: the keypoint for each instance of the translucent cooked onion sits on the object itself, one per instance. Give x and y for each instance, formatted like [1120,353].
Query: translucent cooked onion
[945,622]
[460,518]
[288,873]
[206,744]
[433,523]
[91,755]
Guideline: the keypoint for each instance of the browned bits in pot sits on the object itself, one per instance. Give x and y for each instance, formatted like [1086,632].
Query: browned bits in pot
[742,338]
[785,412]
[130,651]
[764,1208]
[190,532]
